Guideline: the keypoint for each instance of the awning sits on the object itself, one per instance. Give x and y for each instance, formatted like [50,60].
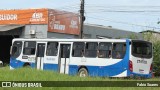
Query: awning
[4,28]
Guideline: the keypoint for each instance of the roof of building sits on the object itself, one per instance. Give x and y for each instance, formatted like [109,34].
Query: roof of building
[107,27]
[108,31]
[150,31]
[4,28]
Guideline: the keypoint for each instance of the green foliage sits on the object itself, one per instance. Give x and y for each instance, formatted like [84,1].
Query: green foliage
[133,36]
[156,58]
[147,36]
[31,74]
[156,51]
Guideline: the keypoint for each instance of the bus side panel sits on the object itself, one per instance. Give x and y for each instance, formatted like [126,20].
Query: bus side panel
[14,63]
[118,69]
[73,69]
[48,66]
[108,71]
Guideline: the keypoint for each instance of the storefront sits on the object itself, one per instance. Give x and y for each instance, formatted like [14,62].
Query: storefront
[35,23]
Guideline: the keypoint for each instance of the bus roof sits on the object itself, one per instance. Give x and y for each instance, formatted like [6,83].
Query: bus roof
[71,40]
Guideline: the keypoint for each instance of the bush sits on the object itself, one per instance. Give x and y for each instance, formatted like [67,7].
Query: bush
[149,36]
[156,58]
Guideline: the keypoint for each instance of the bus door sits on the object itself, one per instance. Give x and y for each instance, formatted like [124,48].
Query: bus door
[40,55]
[64,58]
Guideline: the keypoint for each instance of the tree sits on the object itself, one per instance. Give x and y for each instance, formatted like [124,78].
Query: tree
[133,36]
[156,51]
[147,36]
[156,58]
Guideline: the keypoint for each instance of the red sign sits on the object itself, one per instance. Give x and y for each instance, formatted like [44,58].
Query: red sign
[28,16]
[63,22]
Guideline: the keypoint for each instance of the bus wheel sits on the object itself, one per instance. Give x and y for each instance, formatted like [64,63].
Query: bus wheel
[27,65]
[82,72]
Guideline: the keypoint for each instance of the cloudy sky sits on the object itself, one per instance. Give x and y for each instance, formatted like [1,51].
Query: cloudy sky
[132,15]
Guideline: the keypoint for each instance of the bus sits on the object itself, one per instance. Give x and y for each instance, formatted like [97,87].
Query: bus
[85,57]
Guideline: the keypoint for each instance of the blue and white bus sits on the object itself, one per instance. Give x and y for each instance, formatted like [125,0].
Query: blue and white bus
[85,57]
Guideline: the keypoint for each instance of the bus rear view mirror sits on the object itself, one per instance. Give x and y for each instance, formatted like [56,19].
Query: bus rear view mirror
[10,50]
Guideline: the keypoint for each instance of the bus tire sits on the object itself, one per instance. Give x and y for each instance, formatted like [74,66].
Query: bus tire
[26,65]
[82,72]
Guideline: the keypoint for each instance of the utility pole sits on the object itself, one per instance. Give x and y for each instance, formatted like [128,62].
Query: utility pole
[82,19]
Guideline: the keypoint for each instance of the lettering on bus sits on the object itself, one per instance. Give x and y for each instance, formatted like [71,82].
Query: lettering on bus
[8,16]
[50,59]
[142,61]
[24,57]
[31,58]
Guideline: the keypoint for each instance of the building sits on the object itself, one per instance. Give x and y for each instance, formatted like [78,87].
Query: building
[48,23]
[35,23]
[99,31]
[151,35]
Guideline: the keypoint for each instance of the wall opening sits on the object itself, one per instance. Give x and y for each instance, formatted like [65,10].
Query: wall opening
[5,44]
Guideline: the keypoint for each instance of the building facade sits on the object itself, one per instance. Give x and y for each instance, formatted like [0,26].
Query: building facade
[98,31]
[35,23]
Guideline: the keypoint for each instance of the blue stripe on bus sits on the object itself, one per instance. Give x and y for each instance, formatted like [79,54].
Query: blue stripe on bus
[53,67]
[141,75]
[16,63]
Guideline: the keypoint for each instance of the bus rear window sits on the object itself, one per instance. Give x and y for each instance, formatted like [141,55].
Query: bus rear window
[141,49]
[16,49]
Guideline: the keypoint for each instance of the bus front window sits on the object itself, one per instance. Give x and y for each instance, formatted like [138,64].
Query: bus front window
[16,49]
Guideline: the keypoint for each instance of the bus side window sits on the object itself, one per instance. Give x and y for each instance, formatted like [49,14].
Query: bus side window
[29,48]
[16,49]
[91,49]
[104,50]
[78,49]
[52,49]
[119,50]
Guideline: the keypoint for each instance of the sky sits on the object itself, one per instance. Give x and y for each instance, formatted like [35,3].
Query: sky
[131,15]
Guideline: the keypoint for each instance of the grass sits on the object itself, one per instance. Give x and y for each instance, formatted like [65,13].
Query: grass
[30,74]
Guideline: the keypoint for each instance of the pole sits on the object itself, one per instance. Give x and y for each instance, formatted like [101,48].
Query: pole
[82,18]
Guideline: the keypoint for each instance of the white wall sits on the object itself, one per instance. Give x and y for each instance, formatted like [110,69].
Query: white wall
[41,31]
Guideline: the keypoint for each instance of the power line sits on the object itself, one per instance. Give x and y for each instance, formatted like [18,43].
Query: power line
[137,13]
[66,4]
[120,6]
[124,23]
[130,11]
[105,8]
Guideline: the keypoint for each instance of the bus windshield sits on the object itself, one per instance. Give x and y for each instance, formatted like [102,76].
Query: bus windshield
[141,49]
[16,49]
